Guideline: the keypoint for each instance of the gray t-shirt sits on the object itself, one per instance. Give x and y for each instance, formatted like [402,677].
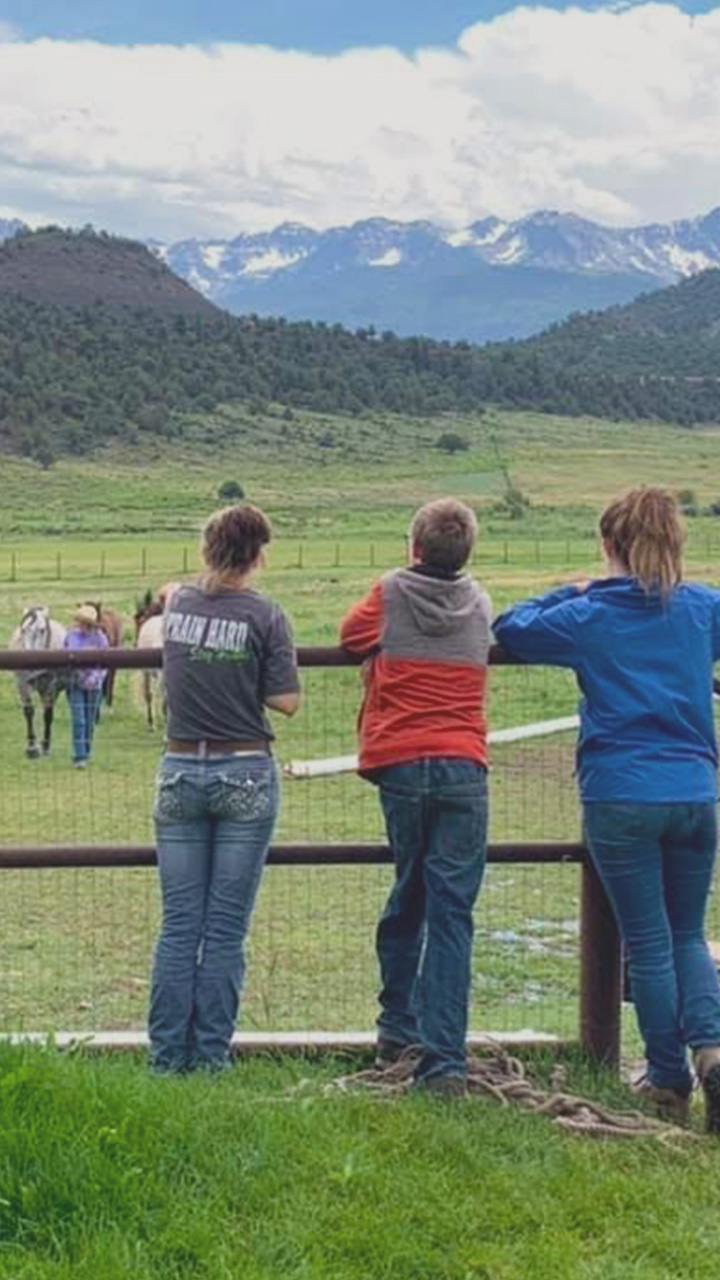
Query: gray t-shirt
[225,652]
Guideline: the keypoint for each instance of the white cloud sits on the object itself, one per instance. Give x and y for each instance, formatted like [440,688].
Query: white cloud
[614,114]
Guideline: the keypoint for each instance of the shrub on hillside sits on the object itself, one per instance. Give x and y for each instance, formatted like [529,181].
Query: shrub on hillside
[514,503]
[451,442]
[230,491]
[688,503]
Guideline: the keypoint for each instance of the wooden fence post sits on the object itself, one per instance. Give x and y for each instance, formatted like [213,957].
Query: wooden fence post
[600,972]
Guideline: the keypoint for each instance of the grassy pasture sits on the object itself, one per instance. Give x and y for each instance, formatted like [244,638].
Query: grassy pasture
[75,948]
[263,1174]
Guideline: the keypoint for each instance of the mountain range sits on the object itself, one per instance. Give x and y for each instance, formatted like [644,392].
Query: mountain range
[489,281]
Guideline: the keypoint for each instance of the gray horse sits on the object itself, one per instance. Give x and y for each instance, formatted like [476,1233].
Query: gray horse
[38,633]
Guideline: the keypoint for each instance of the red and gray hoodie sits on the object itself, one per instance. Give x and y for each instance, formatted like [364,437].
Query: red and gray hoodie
[427,639]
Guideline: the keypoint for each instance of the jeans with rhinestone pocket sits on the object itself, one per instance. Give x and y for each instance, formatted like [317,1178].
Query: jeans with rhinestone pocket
[214,819]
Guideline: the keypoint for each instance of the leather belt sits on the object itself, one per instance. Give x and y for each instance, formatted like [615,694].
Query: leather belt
[214,746]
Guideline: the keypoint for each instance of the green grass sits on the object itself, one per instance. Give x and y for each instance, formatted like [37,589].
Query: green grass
[363,489]
[263,1174]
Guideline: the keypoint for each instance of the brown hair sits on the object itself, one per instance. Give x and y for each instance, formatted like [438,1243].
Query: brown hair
[233,539]
[643,531]
[443,534]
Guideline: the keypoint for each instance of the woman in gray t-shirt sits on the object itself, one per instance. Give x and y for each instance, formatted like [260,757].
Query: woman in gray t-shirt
[228,655]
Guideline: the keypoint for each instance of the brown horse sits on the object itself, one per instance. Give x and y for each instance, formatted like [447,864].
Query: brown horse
[111,624]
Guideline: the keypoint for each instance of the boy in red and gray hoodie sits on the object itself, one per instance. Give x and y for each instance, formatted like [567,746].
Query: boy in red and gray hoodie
[425,631]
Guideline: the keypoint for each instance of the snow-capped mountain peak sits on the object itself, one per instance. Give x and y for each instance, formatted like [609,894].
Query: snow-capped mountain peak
[491,279]
[546,239]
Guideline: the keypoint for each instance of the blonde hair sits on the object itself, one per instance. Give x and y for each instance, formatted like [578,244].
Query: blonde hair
[443,533]
[644,532]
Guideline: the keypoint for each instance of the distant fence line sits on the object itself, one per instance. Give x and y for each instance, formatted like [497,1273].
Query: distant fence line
[147,561]
[311,554]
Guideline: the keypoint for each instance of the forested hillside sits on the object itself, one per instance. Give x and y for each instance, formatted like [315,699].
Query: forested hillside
[657,357]
[87,268]
[74,376]
[73,379]
[672,331]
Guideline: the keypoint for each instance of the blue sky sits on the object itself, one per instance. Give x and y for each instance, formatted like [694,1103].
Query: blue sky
[317,25]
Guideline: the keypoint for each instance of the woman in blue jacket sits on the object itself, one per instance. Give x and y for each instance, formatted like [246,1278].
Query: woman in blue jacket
[643,644]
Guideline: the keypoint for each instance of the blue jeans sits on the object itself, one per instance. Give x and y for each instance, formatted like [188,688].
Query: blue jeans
[436,818]
[84,705]
[656,862]
[214,819]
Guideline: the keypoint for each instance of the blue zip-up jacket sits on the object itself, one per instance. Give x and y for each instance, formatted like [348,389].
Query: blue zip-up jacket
[644,665]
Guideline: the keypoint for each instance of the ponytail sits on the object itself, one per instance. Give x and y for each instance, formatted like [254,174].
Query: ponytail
[644,532]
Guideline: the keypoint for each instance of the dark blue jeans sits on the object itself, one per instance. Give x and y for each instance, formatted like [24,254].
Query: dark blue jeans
[436,818]
[656,862]
[84,705]
[214,819]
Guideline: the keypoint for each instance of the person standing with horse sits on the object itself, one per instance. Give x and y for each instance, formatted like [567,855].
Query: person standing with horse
[86,683]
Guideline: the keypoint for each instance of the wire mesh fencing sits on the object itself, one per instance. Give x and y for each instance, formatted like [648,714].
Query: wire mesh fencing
[76,941]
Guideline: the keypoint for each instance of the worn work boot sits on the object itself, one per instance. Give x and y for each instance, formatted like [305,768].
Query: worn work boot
[707,1065]
[443,1086]
[388,1052]
[667,1104]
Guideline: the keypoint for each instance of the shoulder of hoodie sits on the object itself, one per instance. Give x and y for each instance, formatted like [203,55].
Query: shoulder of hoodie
[482,597]
[698,594]
[594,601]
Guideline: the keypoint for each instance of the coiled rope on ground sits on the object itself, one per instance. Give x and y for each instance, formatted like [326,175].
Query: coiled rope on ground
[495,1073]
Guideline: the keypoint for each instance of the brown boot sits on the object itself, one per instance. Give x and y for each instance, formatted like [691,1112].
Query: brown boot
[389,1052]
[707,1065]
[450,1087]
[667,1104]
